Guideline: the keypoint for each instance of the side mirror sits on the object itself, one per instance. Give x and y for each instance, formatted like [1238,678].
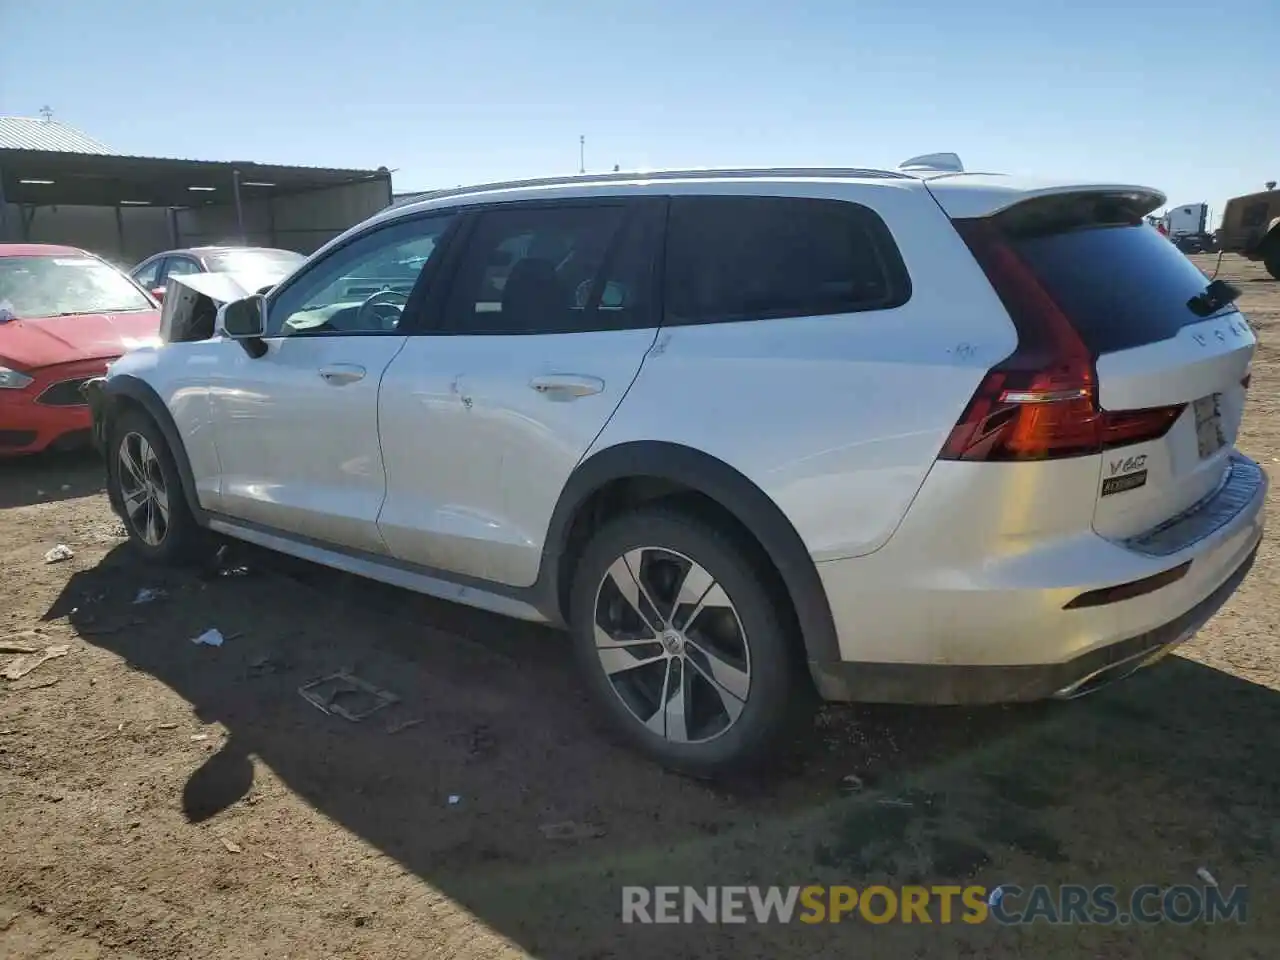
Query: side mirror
[245,321]
[158,293]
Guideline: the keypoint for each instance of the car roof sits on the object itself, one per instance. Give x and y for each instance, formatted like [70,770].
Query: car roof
[967,194]
[220,248]
[201,251]
[39,250]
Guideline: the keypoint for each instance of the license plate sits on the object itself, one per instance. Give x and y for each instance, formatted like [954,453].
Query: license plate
[1209,435]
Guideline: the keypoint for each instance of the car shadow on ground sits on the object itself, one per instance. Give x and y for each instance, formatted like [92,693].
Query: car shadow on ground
[491,747]
[50,477]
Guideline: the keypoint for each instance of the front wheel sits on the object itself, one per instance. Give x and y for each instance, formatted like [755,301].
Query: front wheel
[677,631]
[147,490]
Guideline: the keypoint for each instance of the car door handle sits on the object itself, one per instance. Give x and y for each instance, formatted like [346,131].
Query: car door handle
[342,373]
[566,386]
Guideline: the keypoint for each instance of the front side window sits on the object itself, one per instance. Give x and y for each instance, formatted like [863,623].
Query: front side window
[60,286]
[552,269]
[362,287]
[754,258]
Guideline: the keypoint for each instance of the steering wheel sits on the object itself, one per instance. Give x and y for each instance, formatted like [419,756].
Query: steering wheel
[382,308]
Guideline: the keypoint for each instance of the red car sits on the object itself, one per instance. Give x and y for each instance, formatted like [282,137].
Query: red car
[64,315]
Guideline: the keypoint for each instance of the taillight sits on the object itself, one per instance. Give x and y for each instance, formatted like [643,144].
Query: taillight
[1040,402]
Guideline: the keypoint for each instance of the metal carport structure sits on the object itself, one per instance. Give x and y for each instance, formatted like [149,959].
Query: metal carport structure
[134,206]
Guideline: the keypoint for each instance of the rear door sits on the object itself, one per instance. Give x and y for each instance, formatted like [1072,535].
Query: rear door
[485,414]
[1131,296]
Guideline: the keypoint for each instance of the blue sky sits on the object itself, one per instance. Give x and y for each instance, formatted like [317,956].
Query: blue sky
[1163,93]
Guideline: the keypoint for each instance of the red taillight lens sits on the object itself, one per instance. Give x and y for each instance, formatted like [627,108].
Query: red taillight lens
[1041,401]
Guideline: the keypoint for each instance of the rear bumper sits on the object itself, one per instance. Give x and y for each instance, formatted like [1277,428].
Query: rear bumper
[915,628]
[965,684]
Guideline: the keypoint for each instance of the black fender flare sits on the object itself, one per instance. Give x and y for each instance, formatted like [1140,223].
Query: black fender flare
[720,482]
[144,395]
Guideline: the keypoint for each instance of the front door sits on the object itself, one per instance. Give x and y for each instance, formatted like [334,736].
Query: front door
[546,322]
[297,428]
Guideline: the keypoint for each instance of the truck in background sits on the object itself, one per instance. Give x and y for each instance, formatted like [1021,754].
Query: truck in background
[1251,227]
[1188,227]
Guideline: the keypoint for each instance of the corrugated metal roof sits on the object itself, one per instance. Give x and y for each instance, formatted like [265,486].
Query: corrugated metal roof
[28,133]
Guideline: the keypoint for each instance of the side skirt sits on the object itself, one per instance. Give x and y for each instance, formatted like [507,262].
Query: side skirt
[383,569]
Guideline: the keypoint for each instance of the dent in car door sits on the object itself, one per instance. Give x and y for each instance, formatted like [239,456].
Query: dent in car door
[298,427]
[547,320]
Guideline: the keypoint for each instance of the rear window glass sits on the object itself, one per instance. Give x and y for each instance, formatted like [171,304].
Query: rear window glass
[1121,286]
[755,258]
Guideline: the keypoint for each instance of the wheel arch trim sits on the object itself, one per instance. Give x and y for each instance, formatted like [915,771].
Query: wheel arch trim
[717,480]
[125,386]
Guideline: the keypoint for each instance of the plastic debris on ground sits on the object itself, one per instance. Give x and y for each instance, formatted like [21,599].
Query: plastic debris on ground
[1206,876]
[571,830]
[34,684]
[147,594]
[231,845]
[20,667]
[26,642]
[210,638]
[851,784]
[454,799]
[361,698]
[58,554]
[404,725]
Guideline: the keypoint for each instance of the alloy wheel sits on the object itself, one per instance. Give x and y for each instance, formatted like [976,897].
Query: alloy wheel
[142,489]
[672,645]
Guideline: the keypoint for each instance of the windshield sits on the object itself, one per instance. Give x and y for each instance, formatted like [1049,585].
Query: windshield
[60,286]
[254,261]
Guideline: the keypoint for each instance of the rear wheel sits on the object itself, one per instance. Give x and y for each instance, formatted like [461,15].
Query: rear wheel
[679,638]
[148,491]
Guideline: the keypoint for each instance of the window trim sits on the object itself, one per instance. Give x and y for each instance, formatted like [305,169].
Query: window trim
[435,322]
[897,274]
[422,291]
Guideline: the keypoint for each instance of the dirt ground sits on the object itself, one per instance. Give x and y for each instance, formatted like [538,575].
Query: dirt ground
[160,799]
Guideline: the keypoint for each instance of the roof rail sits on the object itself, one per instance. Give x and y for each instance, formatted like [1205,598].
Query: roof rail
[934,162]
[697,173]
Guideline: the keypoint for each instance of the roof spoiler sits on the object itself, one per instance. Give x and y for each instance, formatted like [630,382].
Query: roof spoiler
[934,163]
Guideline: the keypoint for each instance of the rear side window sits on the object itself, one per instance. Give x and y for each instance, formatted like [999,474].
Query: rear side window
[1121,286]
[757,258]
[554,269]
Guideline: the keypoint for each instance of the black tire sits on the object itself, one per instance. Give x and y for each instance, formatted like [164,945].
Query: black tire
[776,701]
[1272,263]
[183,540]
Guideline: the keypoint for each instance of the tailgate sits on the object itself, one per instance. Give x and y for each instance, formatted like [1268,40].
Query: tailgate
[1132,297]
